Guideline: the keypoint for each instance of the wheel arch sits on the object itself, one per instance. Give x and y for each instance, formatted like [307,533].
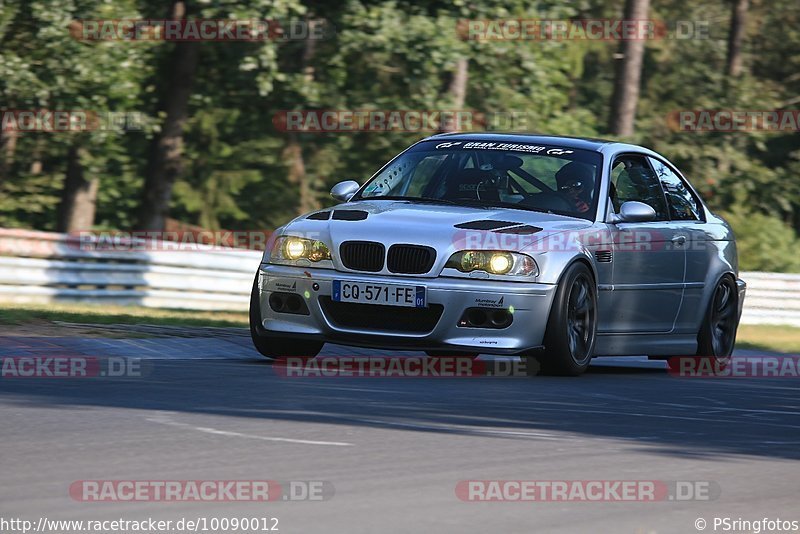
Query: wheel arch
[582,259]
[708,294]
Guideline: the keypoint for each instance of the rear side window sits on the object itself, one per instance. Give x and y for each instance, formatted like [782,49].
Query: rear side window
[683,206]
[633,179]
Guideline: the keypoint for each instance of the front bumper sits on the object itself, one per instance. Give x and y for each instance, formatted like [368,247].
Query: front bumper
[529,302]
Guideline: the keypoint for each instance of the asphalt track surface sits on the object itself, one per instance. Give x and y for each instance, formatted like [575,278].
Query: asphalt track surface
[392,449]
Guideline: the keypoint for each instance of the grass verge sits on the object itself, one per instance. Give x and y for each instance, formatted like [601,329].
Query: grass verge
[20,314]
[769,337]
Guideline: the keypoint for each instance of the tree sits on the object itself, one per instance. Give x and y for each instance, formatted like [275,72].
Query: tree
[628,74]
[458,89]
[44,65]
[165,160]
[733,66]
[79,197]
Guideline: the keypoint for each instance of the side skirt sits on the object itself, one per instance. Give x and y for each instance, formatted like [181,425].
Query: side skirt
[646,344]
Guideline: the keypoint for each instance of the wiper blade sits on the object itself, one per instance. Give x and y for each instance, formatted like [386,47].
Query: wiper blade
[476,203]
[430,200]
[513,206]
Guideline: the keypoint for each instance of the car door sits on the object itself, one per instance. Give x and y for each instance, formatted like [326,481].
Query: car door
[648,258]
[686,211]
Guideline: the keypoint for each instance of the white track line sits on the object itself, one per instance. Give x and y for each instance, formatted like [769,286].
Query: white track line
[164,419]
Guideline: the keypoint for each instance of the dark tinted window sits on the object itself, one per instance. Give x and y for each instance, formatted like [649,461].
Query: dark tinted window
[633,179]
[683,206]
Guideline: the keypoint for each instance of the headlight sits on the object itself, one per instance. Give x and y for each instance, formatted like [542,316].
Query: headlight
[290,249]
[294,249]
[493,262]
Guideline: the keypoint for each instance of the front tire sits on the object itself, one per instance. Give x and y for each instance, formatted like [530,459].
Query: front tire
[572,326]
[274,347]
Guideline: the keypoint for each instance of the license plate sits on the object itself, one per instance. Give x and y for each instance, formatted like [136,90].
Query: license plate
[386,294]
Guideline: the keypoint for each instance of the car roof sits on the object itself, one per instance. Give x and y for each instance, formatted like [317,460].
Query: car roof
[585,143]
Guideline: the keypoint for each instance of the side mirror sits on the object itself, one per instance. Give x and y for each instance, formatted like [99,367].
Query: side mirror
[344,191]
[633,211]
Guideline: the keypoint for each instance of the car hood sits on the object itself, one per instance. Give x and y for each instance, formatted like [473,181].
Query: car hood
[446,228]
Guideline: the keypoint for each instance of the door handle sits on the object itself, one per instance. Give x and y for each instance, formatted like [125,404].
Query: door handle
[679,240]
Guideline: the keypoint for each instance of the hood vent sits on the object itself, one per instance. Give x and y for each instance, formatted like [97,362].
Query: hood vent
[603,256]
[320,216]
[485,225]
[349,215]
[525,229]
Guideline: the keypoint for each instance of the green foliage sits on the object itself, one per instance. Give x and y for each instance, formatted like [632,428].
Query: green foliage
[43,67]
[765,243]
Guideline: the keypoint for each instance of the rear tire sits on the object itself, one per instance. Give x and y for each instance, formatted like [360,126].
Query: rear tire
[717,335]
[572,326]
[275,347]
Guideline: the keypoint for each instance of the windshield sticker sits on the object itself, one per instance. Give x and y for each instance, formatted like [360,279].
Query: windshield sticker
[448,145]
[517,147]
[558,152]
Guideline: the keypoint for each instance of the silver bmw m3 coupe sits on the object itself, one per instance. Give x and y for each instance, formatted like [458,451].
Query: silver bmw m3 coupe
[552,248]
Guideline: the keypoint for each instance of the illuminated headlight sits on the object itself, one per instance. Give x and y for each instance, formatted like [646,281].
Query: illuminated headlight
[493,262]
[294,249]
[290,249]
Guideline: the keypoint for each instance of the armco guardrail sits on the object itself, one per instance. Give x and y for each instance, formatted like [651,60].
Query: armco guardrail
[772,298]
[42,267]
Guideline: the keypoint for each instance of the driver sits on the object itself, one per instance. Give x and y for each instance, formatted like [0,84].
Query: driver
[576,181]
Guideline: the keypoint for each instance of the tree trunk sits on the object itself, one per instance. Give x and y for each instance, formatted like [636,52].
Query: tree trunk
[293,152]
[79,196]
[8,146]
[293,156]
[458,93]
[36,166]
[628,74]
[736,37]
[165,163]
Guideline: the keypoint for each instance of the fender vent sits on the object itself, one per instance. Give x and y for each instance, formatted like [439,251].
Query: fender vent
[603,256]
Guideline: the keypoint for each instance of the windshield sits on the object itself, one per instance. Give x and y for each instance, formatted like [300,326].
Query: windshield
[551,179]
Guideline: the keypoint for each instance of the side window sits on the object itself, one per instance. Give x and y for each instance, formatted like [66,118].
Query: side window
[633,179]
[682,204]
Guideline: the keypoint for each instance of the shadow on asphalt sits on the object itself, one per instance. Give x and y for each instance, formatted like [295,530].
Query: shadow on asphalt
[640,405]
